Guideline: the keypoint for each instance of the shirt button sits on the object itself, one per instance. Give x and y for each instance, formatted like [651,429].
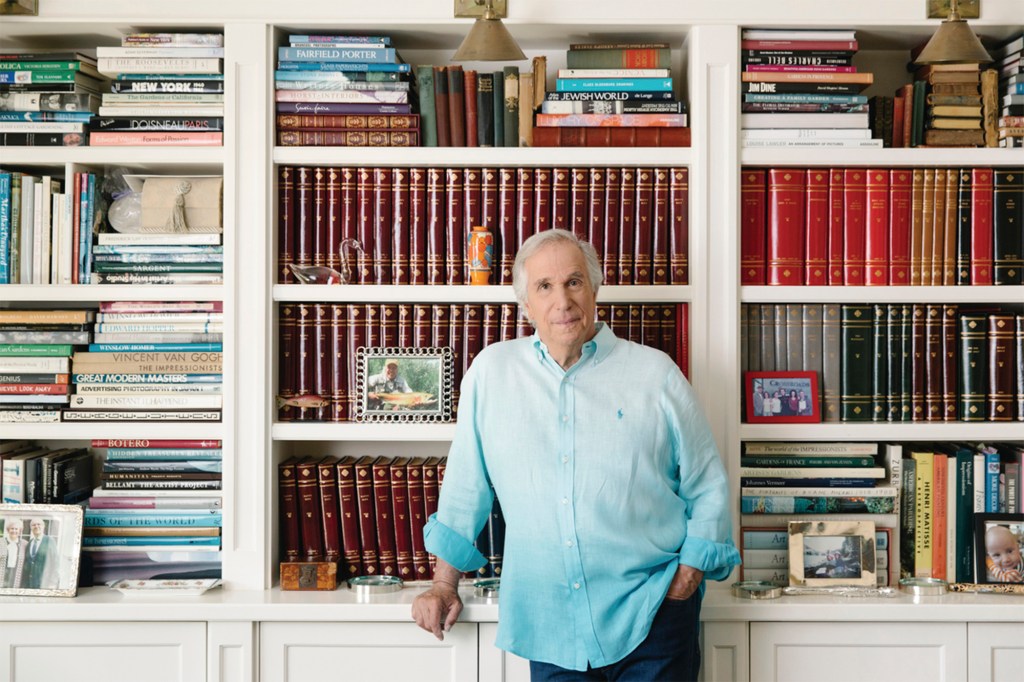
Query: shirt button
[565,500]
[575,586]
[565,417]
[568,543]
[565,460]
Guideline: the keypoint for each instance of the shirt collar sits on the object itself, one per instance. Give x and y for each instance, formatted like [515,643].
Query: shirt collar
[598,347]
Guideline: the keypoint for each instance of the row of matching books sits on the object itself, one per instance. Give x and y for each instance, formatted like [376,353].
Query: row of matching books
[882,226]
[34,474]
[895,362]
[367,514]
[946,491]
[413,224]
[765,554]
[48,98]
[801,89]
[344,90]
[318,343]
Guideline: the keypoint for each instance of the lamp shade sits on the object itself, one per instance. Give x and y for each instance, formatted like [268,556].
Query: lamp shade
[953,43]
[488,41]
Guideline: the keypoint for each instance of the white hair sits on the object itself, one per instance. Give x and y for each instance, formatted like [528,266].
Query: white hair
[595,273]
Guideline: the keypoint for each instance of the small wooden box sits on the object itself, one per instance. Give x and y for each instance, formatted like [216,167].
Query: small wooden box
[309,575]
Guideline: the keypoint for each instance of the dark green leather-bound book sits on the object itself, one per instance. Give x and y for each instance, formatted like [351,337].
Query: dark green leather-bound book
[933,363]
[511,108]
[499,109]
[485,109]
[949,353]
[906,362]
[894,339]
[768,338]
[856,363]
[973,366]
[428,114]
[812,343]
[1001,359]
[830,370]
[753,317]
[1008,226]
[781,338]
[880,364]
[918,367]
[794,338]
[963,228]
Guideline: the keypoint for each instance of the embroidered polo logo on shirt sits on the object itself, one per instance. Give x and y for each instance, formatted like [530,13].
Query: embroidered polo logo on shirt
[620,413]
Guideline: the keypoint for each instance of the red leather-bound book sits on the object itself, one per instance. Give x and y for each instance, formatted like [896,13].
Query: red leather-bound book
[364,225]
[349,214]
[329,508]
[876,248]
[854,225]
[541,199]
[491,324]
[949,357]
[982,197]
[356,327]
[899,226]
[473,323]
[753,226]
[669,340]
[388,316]
[816,228]
[339,363]
[567,136]
[400,226]
[310,518]
[383,230]
[507,326]
[436,214]
[417,226]
[345,473]
[505,236]
[304,245]
[400,515]
[524,205]
[683,336]
[627,224]
[927,225]
[332,230]
[371,316]
[610,257]
[287,368]
[1001,367]
[471,109]
[939,225]
[322,379]
[456,332]
[918,364]
[619,320]
[457,105]
[523,328]
[285,223]
[560,199]
[489,204]
[642,229]
[421,321]
[636,322]
[319,241]
[660,227]
[288,499]
[679,226]
[431,485]
[366,504]
[387,555]
[595,211]
[650,325]
[472,207]
[916,225]
[304,367]
[440,331]
[405,333]
[579,202]
[417,518]
[456,230]
[835,226]
[786,198]
[441,104]
[933,363]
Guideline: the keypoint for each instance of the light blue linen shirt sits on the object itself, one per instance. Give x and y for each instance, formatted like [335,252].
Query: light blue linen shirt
[608,478]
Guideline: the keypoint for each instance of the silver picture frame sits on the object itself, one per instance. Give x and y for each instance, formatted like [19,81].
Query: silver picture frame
[46,552]
[832,553]
[404,385]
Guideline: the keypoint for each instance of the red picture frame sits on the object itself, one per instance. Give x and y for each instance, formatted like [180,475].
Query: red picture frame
[796,394]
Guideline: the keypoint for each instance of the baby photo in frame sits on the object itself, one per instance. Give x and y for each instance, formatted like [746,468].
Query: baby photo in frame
[832,553]
[997,548]
[42,546]
[781,397]
[404,384]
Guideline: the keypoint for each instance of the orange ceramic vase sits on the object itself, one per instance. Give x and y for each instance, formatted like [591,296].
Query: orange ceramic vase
[481,254]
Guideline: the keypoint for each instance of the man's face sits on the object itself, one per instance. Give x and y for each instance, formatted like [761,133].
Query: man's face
[13,533]
[391,371]
[36,528]
[559,297]
[1002,548]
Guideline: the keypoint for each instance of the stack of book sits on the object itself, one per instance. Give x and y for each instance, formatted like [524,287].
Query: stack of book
[47,98]
[38,475]
[164,469]
[1009,65]
[343,90]
[168,91]
[151,361]
[35,347]
[801,89]
[614,95]
[952,106]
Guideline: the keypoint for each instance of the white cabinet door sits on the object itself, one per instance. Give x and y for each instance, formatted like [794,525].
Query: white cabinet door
[996,651]
[103,652]
[497,665]
[298,652]
[833,651]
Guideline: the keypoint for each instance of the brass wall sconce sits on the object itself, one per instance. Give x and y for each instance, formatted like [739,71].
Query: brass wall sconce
[488,40]
[954,43]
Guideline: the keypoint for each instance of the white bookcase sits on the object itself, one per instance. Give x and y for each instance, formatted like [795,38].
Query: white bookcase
[251,625]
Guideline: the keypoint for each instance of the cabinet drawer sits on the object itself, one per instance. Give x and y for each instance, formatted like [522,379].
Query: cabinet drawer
[103,652]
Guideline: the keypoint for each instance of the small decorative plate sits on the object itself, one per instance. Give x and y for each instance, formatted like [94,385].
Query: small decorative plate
[162,588]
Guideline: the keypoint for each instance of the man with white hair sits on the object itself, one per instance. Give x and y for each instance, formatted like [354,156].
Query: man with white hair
[12,554]
[41,558]
[615,498]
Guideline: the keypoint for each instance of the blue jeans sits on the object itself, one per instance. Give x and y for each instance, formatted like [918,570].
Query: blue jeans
[670,653]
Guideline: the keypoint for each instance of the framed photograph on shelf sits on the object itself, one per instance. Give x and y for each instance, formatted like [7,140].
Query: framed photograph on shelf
[832,553]
[781,397]
[997,548]
[404,384]
[41,549]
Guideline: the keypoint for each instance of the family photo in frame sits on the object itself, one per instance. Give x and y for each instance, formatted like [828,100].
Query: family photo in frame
[41,549]
[782,397]
[832,553]
[404,384]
